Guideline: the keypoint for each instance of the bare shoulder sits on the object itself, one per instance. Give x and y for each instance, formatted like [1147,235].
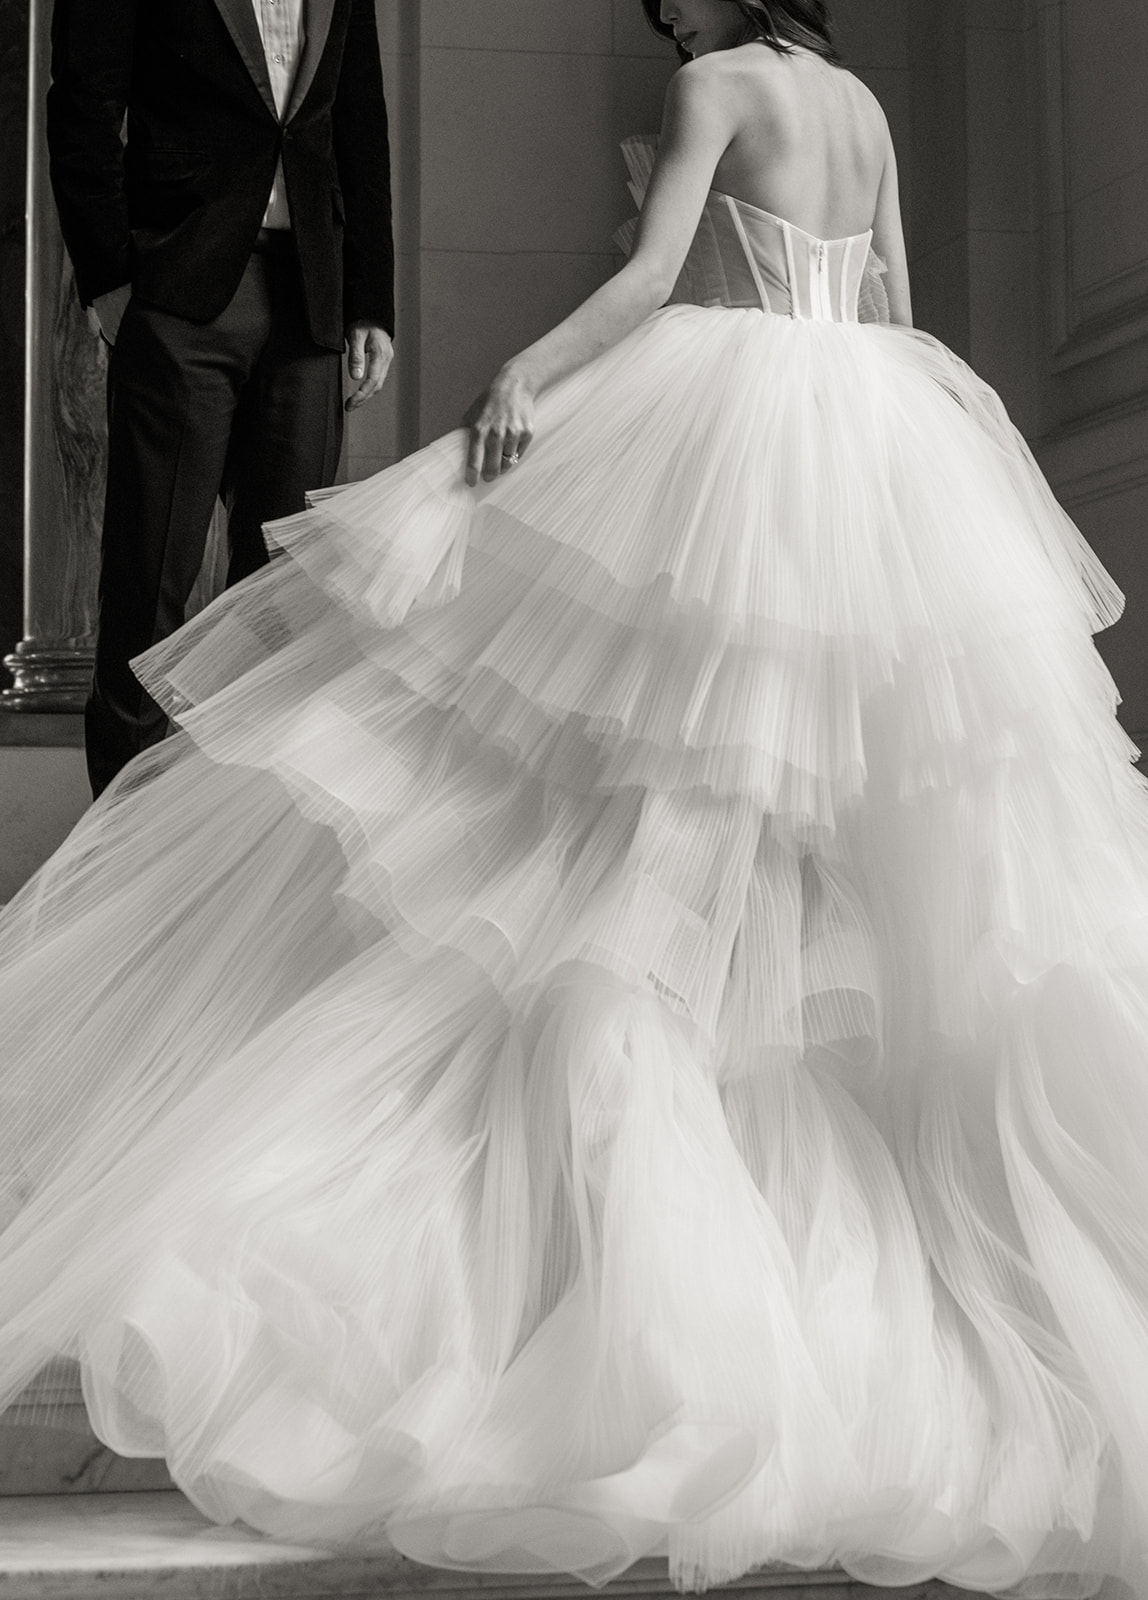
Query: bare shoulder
[866,102]
[705,88]
[746,68]
[779,97]
[739,85]
[773,76]
[872,114]
[705,77]
[847,105]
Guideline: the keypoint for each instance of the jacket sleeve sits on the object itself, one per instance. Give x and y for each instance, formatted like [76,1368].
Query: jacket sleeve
[92,48]
[363,158]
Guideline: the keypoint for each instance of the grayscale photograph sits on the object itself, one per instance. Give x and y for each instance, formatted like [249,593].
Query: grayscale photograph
[573,837]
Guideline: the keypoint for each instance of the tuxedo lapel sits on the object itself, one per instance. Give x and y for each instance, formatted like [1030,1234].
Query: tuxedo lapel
[239,15]
[317,15]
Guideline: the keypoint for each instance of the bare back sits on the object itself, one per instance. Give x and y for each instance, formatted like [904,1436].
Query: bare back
[811,144]
[789,133]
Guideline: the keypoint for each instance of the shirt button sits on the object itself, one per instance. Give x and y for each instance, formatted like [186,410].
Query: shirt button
[278,60]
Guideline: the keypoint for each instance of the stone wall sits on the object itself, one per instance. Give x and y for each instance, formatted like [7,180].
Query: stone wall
[1093,138]
[506,121]
[1025,169]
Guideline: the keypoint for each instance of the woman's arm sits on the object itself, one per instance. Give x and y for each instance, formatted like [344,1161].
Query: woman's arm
[696,128]
[889,241]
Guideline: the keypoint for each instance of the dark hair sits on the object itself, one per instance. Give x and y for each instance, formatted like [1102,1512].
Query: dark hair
[781,24]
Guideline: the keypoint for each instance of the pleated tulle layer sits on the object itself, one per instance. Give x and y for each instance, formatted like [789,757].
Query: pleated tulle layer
[619,1025]
[724,543]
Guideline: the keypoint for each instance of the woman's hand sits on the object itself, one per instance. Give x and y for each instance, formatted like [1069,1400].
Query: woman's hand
[501,424]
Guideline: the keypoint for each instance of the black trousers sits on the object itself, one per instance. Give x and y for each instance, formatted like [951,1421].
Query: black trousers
[246,407]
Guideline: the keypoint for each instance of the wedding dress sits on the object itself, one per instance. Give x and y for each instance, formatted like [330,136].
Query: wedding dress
[618,1025]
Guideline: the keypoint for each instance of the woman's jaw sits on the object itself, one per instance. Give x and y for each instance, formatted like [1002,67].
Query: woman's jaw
[702,26]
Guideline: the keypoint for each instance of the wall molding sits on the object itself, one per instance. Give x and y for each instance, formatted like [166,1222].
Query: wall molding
[1100,336]
[1116,292]
[1116,438]
[1057,228]
[1085,321]
[1103,484]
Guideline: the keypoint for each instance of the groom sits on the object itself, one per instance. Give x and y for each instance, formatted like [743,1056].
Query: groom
[222,175]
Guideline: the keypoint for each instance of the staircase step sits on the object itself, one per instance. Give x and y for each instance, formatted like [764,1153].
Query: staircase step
[68,1459]
[143,1545]
[47,1446]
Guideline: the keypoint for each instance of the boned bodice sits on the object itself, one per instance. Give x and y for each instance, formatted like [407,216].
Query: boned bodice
[744,256]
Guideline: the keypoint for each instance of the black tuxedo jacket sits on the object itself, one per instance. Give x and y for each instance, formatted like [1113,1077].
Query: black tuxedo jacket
[175,210]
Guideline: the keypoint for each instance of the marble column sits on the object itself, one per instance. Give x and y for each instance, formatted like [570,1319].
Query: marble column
[13,174]
[64,442]
[65,447]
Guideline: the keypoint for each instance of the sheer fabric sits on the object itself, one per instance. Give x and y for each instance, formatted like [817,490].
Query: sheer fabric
[619,1024]
[743,256]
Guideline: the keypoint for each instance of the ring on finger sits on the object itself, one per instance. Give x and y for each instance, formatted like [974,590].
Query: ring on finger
[510,458]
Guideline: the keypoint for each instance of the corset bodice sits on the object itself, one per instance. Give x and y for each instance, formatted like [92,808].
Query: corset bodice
[744,256]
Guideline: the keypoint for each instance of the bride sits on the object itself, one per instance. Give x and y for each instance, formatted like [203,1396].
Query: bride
[618,1024]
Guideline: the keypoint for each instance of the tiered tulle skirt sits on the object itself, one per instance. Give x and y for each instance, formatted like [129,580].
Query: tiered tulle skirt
[620,1024]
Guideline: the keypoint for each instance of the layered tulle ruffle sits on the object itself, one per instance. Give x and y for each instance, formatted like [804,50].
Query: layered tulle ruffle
[619,1025]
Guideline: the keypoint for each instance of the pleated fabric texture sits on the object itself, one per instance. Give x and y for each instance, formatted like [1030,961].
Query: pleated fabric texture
[619,1025]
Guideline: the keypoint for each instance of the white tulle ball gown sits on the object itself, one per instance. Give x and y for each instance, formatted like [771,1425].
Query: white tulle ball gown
[619,1023]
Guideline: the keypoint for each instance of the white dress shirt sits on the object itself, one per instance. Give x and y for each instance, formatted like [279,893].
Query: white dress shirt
[281,29]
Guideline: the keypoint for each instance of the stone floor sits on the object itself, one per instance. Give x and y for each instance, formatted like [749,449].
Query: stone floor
[78,1522]
[152,1545]
[155,1546]
[47,1446]
[43,792]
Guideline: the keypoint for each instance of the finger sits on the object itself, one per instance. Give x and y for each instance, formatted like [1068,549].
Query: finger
[492,456]
[378,364]
[510,452]
[355,347]
[476,450]
[514,447]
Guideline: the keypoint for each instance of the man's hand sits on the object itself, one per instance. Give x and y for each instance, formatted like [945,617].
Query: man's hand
[369,356]
[109,309]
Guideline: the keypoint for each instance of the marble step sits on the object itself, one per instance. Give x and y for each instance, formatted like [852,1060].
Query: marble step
[146,1545]
[48,1448]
